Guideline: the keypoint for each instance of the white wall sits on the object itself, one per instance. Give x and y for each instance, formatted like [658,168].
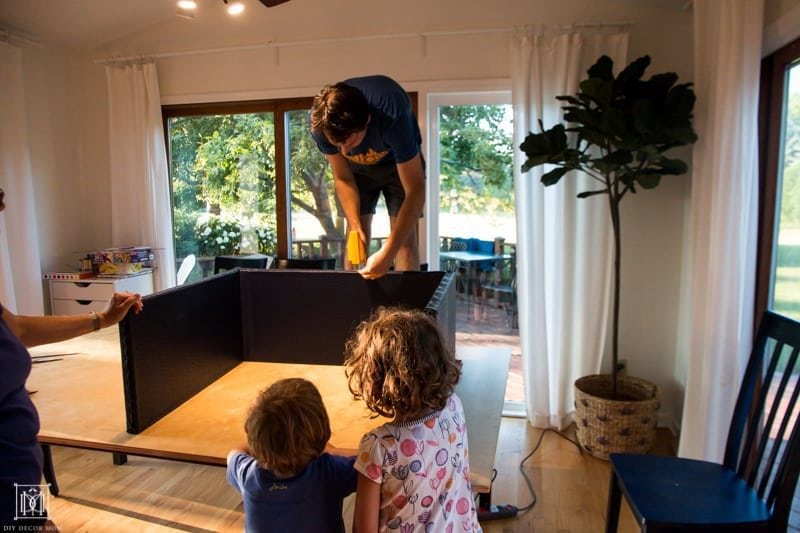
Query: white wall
[67,108]
[781,24]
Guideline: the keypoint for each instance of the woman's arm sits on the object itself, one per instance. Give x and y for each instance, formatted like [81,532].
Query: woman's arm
[368,503]
[35,330]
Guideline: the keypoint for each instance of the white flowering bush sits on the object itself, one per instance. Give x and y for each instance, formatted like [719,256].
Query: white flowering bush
[216,236]
[267,240]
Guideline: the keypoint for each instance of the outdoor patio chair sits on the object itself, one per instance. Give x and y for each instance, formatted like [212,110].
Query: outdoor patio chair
[456,244]
[499,289]
[753,488]
[228,262]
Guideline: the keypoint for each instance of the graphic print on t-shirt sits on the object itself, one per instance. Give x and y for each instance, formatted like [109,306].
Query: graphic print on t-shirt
[370,158]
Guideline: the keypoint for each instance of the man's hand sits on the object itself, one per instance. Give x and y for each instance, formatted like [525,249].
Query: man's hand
[377,264]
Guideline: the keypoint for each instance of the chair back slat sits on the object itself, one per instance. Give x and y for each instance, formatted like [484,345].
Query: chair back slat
[763,444]
[788,420]
[739,444]
[780,411]
[749,458]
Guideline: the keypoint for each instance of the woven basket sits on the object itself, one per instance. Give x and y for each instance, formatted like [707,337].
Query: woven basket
[624,425]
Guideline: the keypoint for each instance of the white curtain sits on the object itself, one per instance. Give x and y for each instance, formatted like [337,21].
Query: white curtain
[724,214]
[20,266]
[564,244]
[140,193]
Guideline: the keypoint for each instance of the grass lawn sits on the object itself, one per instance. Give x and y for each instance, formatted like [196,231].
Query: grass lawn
[787,275]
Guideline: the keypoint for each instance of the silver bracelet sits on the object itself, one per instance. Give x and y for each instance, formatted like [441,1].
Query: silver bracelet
[95,321]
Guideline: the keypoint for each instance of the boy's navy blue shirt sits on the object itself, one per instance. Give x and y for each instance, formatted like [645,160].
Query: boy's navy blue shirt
[308,502]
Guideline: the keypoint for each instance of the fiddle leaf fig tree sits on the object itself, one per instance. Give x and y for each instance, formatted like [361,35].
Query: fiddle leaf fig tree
[619,130]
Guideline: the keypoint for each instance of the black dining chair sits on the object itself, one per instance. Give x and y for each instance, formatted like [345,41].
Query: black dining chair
[228,262]
[752,490]
[321,263]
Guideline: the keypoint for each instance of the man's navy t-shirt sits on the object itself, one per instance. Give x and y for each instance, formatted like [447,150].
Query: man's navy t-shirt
[392,135]
[309,502]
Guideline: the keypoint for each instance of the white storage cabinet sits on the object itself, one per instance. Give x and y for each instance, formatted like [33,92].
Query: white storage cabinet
[82,296]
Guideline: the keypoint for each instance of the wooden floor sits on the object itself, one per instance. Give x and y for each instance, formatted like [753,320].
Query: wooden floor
[150,495]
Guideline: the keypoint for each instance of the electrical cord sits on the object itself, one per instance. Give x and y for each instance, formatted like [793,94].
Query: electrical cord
[509,511]
[522,464]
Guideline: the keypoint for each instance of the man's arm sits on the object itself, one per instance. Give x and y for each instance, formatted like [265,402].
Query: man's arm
[347,192]
[412,177]
[35,330]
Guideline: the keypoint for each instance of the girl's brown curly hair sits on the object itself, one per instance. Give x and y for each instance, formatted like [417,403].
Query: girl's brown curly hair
[398,363]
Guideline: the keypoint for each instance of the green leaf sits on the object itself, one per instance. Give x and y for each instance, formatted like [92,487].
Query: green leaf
[672,166]
[659,84]
[587,194]
[644,115]
[602,69]
[598,89]
[592,136]
[545,147]
[631,74]
[620,157]
[648,181]
[552,177]
[680,100]
[648,153]
[586,117]
[613,122]
[680,135]
[571,99]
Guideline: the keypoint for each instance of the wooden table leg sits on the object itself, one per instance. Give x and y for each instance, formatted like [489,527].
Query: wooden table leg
[48,470]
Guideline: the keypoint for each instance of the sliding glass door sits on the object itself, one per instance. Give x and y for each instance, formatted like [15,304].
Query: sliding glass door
[471,211]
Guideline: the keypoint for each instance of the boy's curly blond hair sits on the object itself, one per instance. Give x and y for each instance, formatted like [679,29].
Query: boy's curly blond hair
[287,426]
[398,363]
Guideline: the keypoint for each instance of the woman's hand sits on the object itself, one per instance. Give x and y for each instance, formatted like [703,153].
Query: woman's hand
[118,306]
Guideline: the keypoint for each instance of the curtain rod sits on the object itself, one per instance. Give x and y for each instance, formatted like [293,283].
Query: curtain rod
[7,35]
[336,40]
[307,42]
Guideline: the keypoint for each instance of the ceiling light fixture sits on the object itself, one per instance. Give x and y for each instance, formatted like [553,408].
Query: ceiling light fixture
[235,7]
[186,8]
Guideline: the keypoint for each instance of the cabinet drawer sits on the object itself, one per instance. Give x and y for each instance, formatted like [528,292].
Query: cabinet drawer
[81,290]
[76,297]
[77,307]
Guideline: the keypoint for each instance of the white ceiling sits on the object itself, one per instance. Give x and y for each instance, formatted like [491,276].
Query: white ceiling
[147,25]
[83,25]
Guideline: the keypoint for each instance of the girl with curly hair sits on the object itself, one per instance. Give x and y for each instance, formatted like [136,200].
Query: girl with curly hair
[413,471]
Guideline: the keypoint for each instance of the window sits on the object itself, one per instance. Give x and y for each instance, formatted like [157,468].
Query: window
[778,286]
[247,178]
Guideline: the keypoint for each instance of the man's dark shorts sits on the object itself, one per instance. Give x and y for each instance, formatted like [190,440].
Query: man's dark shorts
[372,180]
